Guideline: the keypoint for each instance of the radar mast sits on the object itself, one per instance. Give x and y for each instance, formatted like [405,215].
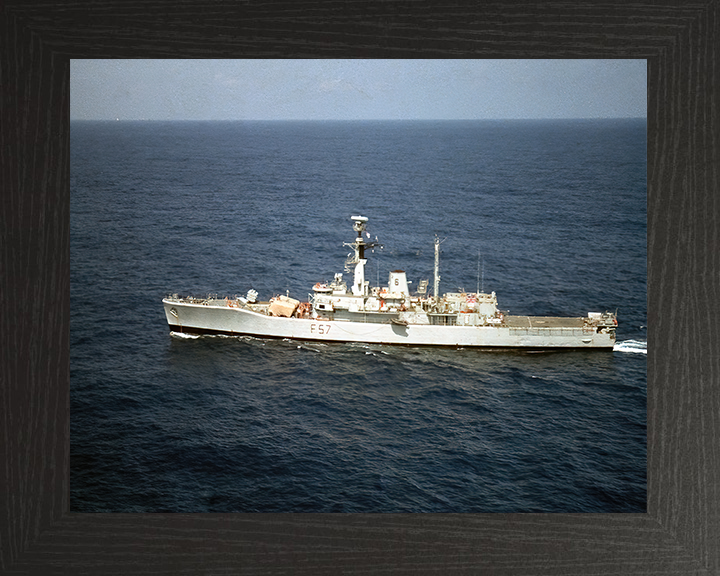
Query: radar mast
[358,258]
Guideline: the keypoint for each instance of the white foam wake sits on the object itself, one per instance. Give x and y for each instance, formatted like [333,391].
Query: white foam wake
[183,335]
[637,346]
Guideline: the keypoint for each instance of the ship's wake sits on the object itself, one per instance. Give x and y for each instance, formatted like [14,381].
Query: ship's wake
[183,335]
[636,346]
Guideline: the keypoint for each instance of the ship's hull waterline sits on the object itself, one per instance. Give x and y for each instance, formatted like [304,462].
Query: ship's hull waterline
[218,318]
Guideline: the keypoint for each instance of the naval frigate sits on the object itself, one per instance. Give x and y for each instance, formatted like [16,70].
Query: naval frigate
[392,314]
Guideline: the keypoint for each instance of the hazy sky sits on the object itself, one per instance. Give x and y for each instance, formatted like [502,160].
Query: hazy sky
[356,89]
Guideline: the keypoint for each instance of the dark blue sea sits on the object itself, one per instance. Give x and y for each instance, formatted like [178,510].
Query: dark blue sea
[551,215]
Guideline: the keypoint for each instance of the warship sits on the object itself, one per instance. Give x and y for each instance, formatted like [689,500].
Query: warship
[392,314]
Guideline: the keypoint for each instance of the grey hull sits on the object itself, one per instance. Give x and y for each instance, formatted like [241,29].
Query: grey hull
[219,318]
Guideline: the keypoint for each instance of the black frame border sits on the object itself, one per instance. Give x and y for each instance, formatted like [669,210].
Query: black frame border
[679,532]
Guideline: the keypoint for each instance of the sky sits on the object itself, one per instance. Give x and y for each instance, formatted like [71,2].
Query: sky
[356,89]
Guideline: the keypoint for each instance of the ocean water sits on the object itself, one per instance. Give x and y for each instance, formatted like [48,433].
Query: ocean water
[551,215]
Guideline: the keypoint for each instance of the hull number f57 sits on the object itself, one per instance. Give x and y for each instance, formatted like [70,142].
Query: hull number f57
[319,328]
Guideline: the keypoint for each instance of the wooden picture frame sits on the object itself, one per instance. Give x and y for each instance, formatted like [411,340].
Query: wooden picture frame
[681,529]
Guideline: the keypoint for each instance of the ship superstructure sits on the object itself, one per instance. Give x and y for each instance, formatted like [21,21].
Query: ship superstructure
[389,314]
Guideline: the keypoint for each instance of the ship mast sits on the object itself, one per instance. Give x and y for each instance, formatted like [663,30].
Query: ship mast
[436,284]
[359,225]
